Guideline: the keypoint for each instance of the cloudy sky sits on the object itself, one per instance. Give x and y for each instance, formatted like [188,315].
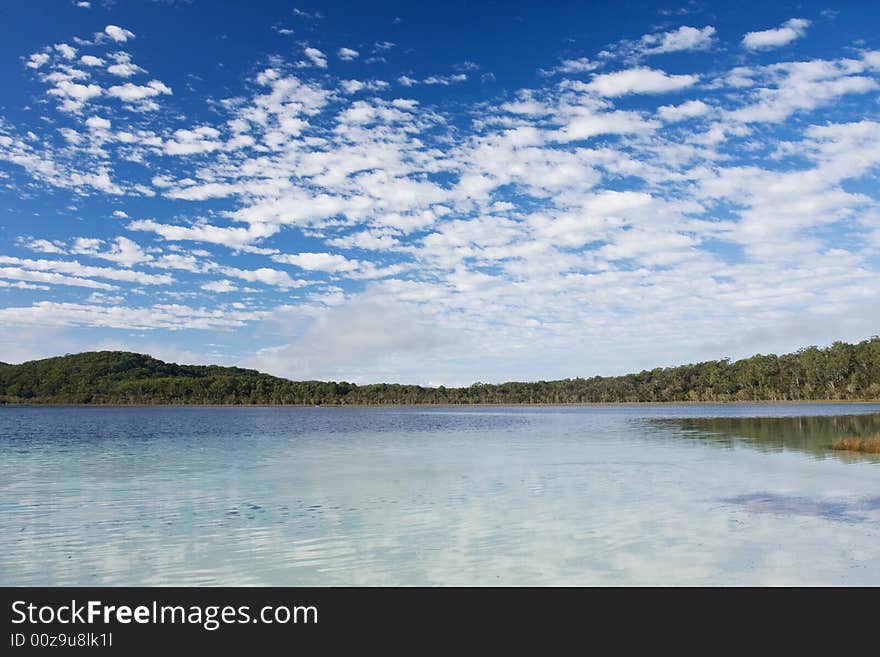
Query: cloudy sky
[438,193]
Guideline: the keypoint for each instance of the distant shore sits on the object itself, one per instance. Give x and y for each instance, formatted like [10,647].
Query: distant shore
[760,402]
[849,372]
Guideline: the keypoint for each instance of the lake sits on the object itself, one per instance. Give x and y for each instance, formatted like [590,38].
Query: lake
[742,494]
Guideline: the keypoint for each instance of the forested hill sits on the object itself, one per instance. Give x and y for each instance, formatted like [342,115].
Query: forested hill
[841,371]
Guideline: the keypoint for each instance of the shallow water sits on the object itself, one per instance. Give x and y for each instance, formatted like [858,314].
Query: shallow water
[728,494]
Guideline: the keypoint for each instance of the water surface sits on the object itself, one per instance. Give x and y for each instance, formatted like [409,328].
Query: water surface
[727,494]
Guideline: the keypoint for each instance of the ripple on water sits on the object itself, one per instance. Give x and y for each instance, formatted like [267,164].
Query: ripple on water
[599,495]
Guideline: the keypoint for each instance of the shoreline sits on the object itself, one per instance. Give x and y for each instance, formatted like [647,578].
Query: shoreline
[762,402]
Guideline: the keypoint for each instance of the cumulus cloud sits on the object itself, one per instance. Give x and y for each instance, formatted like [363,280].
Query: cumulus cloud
[573,66]
[790,30]
[683,38]
[37,60]
[639,81]
[66,51]
[21,285]
[124,69]
[118,34]
[158,316]
[314,58]
[687,110]
[20,274]
[73,95]
[221,286]
[443,80]
[233,237]
[872,59]
[780,90]
[97,123]
[318,261]
[133,93]
[572,214]
[586,124]
[354,86]
[337,342]
[41,246]
[81,271]
[201,139]
[347,54]
[266,276]
[124,252]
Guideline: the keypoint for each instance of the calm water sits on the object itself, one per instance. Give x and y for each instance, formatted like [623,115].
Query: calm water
[744,494]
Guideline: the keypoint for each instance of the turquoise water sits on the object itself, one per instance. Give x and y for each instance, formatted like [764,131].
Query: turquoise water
[606,495]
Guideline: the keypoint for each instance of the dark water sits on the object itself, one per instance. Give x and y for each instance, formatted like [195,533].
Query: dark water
[733,494]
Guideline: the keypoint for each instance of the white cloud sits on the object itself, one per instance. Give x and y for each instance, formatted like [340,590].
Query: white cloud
[74,95]
[124,252]
[17,273]
[783,89]
[318,261]
[684,38]
[233,237]
[40,246]
[157,316]
[86,244]
[313,15]
[687,110]
[21,285]
[266,276]
[221,286]
[574,66]
[586,124]
[315,58]
[37,60]
[41,164]
[133,93]
[368,240]
[639,81]
[354,86]
[354,336]
[75,268]
[118,34]
[569,215]
[66,51]
[124,69]
[872,59]
[789,31]
[347,54]
[188,262]
[97,123]
[443,80]
[201,139]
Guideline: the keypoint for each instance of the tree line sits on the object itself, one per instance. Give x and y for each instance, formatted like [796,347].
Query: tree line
[841,371]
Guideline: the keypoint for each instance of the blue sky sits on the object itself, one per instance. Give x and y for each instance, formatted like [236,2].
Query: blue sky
[449,193]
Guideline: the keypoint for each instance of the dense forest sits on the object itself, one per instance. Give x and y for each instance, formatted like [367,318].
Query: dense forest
[842,371]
